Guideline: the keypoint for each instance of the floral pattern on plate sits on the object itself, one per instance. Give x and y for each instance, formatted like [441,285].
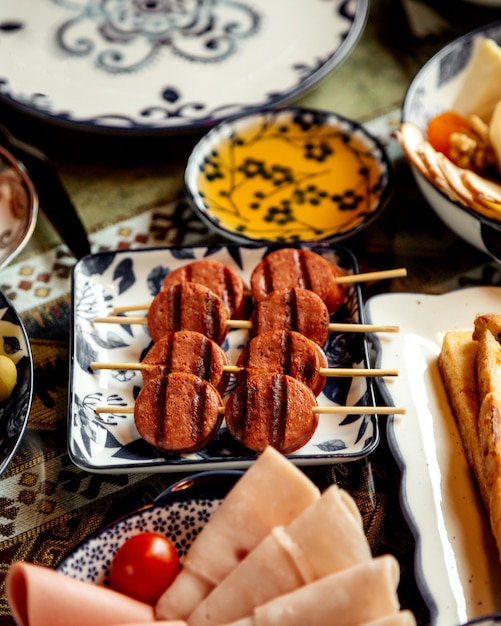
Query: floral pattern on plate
[167,66]
[109,442]
[179,513]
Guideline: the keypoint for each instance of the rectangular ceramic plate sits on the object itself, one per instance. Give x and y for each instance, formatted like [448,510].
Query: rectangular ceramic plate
[457,563]
[109,442]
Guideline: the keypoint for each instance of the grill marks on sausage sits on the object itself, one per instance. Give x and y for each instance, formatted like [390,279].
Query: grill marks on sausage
[295,309]
[190,352]
[216,276]
[178,412]
[271,409]
[288,268]
[188,306]
[285,352]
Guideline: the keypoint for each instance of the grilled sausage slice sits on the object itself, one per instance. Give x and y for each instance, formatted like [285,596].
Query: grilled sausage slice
[295,309]
[190,352]
[286,352]
[178,412]
[188,306]
[271,410]
[287,268]
[218,277]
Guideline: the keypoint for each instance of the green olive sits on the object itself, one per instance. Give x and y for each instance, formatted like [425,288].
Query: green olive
[8,377]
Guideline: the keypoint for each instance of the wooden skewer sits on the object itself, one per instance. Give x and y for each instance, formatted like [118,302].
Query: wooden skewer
[323,371]
[342,280]
[333,410]
[334,326]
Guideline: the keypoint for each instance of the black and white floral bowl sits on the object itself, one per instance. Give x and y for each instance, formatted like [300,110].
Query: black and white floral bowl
[288,174]
[180,513]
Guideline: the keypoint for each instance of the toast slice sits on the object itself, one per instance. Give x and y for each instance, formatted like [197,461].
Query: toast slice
[470,367]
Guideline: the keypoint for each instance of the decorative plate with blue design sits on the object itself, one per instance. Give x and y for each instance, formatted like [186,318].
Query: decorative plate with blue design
[15,410]
[109,442]
[159,66]
[179,513]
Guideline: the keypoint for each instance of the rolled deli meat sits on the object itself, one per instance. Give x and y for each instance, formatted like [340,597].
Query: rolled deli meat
[352,597]
[39,596]
[326,537]
[271,493]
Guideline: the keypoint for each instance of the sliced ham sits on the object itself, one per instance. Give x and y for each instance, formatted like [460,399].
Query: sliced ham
[326,537]
[272,492]
[352,597]
[39,596]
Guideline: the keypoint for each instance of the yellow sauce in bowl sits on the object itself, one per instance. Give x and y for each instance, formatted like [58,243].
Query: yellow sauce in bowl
[287,175]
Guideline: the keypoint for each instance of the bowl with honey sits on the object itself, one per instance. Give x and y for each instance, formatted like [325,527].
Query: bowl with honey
[288,174]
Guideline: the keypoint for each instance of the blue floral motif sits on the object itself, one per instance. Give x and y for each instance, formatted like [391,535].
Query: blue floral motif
[125,35]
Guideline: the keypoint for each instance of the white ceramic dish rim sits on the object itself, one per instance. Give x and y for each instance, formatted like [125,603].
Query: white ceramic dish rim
[210,139]
[98,446]
[457,582]
[111,122]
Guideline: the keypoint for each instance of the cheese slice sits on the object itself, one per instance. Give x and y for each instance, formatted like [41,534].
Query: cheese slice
[481,90]
[272,492]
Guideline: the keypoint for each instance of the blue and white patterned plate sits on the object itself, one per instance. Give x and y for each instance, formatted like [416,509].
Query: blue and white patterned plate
[109,442]
[179,513]
[161,66]
[15,410]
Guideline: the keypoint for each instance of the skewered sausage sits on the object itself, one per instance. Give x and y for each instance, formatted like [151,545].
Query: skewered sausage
[295,309]
[271,409]
[287,268]
[191,352]
[286,352]
[218,277]
[188,306]
[178,412]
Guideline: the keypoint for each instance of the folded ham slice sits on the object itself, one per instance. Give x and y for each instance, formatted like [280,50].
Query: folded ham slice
[352,597]
[272,492]
[326,537]
[39,596]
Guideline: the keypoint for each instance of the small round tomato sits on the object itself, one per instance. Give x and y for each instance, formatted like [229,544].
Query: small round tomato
[144,566]
[441,127]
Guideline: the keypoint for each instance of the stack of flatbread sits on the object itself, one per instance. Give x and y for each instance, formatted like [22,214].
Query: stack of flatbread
[470,366]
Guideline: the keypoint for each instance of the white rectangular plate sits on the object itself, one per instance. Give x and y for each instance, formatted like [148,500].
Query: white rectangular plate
[457,563]
[111,443]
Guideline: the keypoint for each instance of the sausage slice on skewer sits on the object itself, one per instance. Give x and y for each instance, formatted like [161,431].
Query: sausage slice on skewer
[295,309]
[271,410]
[285,352]
[218,277]
[178,412]
[287,268]
[188,306]
[190,352]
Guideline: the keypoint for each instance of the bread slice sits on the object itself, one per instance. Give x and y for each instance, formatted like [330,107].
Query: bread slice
[457,368]
[470,367]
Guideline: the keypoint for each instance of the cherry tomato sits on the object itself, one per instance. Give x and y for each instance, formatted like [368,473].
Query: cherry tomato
[441,127]
[144,566]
